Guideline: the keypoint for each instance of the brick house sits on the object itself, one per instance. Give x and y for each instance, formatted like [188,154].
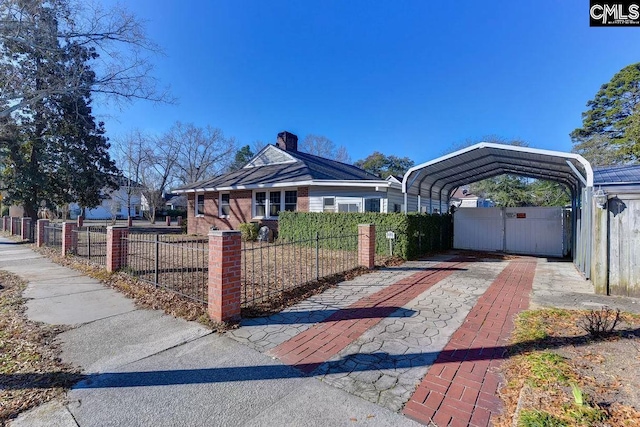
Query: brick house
[281,178]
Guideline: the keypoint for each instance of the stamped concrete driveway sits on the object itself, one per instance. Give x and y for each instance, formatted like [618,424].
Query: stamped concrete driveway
[425,338]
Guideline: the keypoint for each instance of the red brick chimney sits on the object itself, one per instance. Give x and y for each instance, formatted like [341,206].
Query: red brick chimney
[287,141]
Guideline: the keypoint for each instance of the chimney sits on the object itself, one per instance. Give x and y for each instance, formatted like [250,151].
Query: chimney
[287,141]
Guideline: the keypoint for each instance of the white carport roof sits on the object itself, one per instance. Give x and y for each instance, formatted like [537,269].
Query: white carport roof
[438,178]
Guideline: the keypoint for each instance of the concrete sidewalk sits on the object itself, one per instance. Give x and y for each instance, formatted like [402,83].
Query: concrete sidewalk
[147,368]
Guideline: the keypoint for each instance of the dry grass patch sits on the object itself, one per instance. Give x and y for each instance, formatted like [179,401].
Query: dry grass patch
[31,372]
[559,375]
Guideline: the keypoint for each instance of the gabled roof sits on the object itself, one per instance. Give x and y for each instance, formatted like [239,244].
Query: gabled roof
[274,167]
[616,175]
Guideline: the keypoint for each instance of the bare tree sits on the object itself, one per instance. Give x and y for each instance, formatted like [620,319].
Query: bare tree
[132,156]
[119,52]
[196,153]
[322,146]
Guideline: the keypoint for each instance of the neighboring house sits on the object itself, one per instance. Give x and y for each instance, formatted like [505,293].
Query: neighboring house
[114,203]
[463,198]
[281,178]
[175,201]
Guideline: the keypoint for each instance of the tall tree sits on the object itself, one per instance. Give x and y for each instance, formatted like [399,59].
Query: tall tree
[56,153]
[607,133]
[197,152]
[320,145]
[383,166]
[242,156]
[28,29]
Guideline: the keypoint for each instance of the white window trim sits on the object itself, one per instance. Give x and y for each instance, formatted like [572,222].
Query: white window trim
[267,208]
[220,214]
[335,203]
[196,213]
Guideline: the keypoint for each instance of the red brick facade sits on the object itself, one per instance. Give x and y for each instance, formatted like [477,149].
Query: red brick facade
[240,202]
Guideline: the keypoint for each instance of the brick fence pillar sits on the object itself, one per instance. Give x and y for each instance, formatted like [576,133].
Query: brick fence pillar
[69,238]
[11,225]
[40,225]
[80,221]
[117,247]
[5,223]
[168,219]
[367,245]
[179,221]
[129,221]
[225,267]
[26,226]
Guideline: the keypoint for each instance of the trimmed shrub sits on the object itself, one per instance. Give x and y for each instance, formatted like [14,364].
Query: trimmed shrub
[415,234]
[249,231]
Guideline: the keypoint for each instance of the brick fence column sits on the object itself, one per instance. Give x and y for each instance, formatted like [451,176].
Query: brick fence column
[80,221]
[11,225]
[367,245]
[69,238]
[129,221]
[225,267]
[168,219]
[117,248]
[40,225]
[5,223]
[179,221]
[26,226]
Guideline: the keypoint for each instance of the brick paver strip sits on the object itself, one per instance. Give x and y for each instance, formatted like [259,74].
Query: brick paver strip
[316,345]
[460,388]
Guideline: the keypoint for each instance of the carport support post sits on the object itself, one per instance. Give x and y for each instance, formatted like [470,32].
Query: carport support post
[225,268]
[367,245]
[26,225]
[41,224]
[117,247]
[69,238]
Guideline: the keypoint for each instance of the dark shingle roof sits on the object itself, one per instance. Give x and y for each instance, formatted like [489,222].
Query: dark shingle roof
[307,168]
[617,175]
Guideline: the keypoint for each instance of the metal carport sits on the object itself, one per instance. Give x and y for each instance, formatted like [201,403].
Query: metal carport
[438,179]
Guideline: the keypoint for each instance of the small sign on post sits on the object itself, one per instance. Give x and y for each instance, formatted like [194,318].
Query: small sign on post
[391,236]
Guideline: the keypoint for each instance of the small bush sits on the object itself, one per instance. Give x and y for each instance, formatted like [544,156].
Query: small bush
[249,231]
[598,323]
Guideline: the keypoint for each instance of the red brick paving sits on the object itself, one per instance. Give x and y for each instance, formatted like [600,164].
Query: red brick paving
[319,343]
[460,387]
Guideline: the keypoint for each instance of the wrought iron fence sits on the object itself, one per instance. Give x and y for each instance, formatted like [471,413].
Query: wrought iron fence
[31,231]
[53,236]
[176,263]
[269,269]
[16,226]
[91,243]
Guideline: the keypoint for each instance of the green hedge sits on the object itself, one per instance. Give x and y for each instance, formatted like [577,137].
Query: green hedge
[416,234]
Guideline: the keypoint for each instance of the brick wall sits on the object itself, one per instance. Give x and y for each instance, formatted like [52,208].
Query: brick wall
[303,199]
[240,202]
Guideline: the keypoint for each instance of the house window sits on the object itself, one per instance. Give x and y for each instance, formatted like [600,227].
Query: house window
[291,201]
[396,207]
[225,207]
[274,203]
[261,203]
[348,207]
[329,204]
[269,204]
[372,205]
[200,205]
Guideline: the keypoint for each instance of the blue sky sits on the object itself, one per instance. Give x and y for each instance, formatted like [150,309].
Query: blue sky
[409,78]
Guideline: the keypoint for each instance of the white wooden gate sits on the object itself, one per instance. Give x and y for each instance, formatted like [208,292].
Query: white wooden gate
[530,230]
